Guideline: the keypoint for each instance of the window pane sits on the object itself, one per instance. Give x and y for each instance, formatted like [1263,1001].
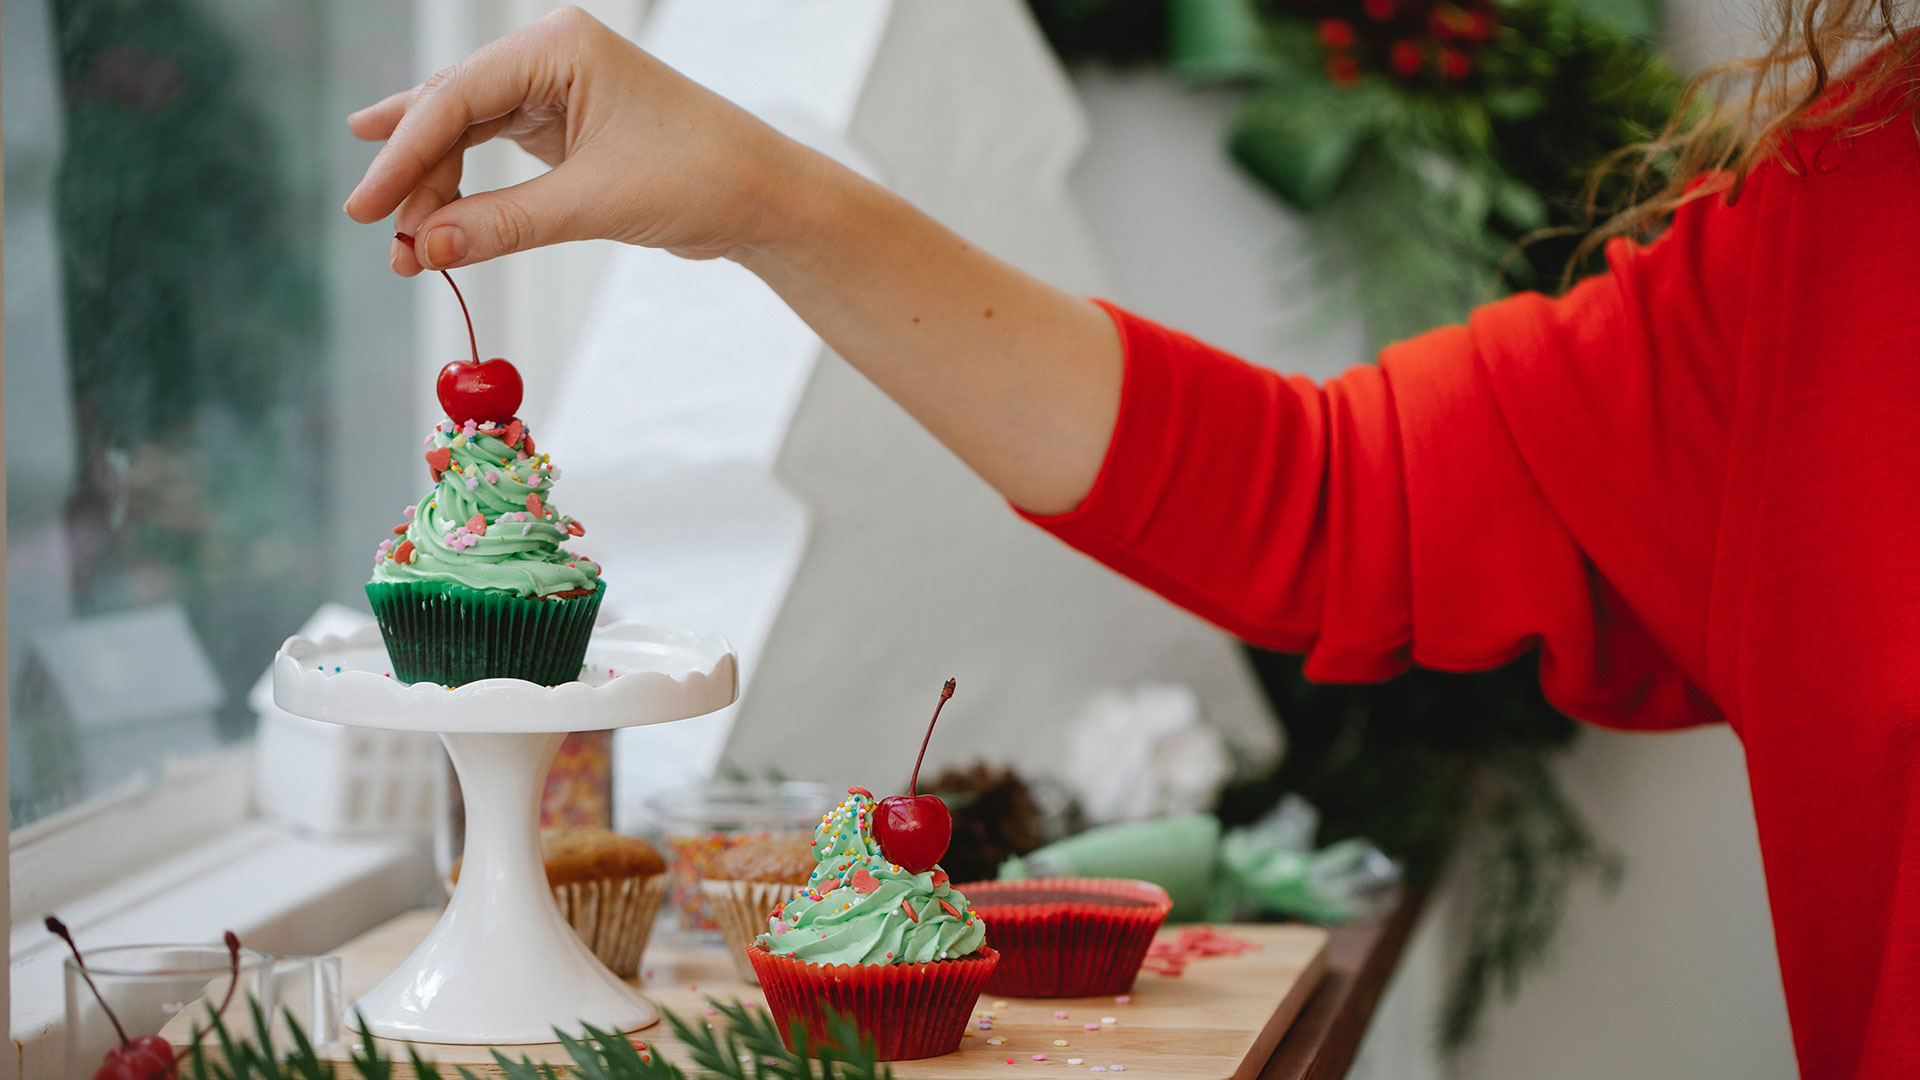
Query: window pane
[178,332]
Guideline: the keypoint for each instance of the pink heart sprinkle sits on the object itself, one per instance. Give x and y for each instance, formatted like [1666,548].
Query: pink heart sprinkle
[534,507]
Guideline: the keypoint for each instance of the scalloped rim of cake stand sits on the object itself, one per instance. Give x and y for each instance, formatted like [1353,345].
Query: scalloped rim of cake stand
[653,676]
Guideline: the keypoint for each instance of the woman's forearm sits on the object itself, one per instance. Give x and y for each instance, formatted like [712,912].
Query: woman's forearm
[1019,379]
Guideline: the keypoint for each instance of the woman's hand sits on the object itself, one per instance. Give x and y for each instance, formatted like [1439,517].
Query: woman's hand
[637,153]
[1021,380]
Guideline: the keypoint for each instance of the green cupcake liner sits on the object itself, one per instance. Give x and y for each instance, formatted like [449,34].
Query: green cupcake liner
[451,634]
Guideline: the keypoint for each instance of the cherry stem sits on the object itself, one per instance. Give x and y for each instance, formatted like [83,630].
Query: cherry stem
[946,695]
[472,341]
[233,969]
[59,930]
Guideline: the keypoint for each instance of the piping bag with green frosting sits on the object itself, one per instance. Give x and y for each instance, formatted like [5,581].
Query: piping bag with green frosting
[859,907]
[878,895]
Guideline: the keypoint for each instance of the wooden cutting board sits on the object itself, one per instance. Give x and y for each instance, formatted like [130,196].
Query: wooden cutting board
[1218,1020]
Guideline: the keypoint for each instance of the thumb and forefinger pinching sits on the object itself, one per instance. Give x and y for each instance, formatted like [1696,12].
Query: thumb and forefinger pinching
[424,126]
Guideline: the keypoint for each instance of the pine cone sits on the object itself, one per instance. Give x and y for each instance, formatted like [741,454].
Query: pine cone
[995,816]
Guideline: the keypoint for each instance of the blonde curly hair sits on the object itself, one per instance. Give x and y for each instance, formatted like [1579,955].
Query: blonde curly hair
[1735,115]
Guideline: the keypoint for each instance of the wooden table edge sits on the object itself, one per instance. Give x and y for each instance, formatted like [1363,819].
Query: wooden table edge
[1360,959]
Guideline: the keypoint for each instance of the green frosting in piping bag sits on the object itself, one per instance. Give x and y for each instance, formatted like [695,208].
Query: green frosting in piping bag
[855,906]
[485,524]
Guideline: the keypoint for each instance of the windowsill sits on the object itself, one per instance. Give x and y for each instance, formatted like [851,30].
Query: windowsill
[280,891]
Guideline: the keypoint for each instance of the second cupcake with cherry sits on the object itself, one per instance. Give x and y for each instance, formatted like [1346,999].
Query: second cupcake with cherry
[878,934]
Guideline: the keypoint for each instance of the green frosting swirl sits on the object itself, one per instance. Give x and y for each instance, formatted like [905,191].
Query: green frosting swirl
[833,921]
[518,550]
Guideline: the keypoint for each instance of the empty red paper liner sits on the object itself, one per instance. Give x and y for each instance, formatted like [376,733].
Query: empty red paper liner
[1068,937]
[909,1010]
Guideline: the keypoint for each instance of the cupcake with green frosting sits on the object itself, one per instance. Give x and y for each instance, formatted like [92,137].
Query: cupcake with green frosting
[475,582]
[899,952]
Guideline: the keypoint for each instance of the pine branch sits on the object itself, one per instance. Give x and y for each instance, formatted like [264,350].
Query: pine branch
[744,1045]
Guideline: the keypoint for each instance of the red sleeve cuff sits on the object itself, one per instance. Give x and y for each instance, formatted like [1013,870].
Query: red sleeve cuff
[1136,460]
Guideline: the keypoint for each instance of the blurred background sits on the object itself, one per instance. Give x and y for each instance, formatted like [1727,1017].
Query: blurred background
[214,389]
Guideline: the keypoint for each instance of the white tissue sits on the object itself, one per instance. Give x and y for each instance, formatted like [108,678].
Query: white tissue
[1145,751]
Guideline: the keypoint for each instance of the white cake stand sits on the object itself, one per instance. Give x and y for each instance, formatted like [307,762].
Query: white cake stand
[502,966]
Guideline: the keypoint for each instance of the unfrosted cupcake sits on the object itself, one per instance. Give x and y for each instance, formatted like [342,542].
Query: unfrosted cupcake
[747,881]
[474,583]
[900,953]
[1069,937]
[608,887]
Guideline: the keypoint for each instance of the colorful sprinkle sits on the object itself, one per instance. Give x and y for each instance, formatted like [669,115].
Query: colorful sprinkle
[995,1041]
[1039,1057]
[1091,1027]
[1059,1042]
[1075,1061]
[1109,1020]
[1123,999]
[1060,1014]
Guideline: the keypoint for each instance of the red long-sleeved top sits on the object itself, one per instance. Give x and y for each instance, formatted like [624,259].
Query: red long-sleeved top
[1693,483]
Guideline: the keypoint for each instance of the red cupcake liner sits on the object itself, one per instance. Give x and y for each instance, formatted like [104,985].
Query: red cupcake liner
[909,1010]
[1071,947]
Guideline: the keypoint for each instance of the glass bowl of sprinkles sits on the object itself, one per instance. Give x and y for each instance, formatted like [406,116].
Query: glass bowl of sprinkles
[696,824]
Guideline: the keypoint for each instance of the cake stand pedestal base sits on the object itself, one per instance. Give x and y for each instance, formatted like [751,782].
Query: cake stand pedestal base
[501,967]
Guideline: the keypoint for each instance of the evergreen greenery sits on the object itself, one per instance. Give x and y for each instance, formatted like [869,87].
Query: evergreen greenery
[742,1044]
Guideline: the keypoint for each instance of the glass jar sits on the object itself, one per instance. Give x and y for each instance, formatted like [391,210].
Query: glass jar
[696,824]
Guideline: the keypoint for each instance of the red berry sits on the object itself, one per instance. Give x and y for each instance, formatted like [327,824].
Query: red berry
[1405,59]
[480,392]
[1477,26]
[912,830]
[1342,69]
[148,1057]
[1454,64]
[1336,33]
[155,1045]
[1377,10]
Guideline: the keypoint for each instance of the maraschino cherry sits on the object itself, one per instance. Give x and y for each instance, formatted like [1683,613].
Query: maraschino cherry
[914,830]
[484,392]
[149,1057]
